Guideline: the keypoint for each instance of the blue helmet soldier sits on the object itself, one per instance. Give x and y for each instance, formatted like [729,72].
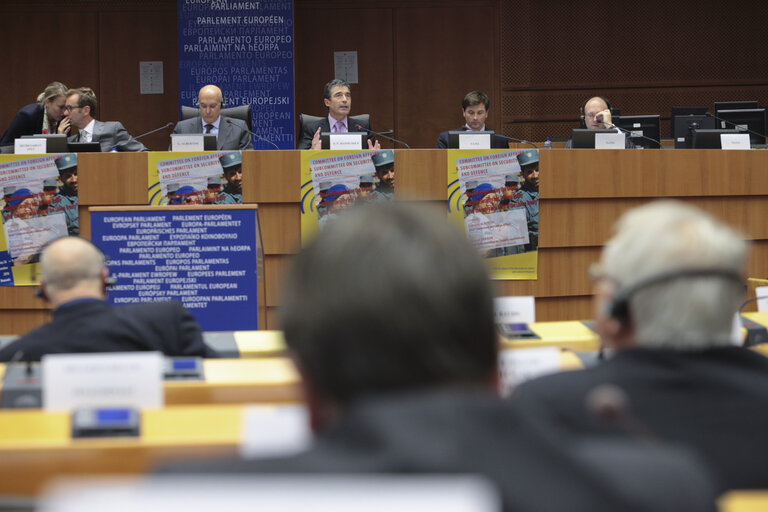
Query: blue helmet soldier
[66,198]
[384,161]
[232,165]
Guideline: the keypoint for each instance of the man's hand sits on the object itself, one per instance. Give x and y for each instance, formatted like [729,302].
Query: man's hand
[374,145]
[316,143]
[64,126]
[604,117]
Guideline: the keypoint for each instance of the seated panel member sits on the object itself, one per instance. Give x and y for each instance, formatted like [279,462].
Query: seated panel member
[596,115]
[474,108]
[666,291]
[229,136]
[74,281]
[81,111]
[337,96]
[388,314]
[42,117]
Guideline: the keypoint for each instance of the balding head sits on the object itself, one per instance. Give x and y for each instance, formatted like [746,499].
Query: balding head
[210,100]
[72,268]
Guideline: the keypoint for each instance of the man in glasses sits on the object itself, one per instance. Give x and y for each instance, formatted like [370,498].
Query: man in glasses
[80,110]
[231,134]
[596,115]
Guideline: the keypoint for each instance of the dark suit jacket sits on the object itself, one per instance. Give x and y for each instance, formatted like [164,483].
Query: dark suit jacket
[231,137]
[94,326]
[305,141]
[715,401]
[496,141]
[28,121]
[472,432]
[110,134]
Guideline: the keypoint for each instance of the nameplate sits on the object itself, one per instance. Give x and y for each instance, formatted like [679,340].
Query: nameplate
[609,141]
[116,379]
[521,364]
[275,431]
[734,141]
[344,141]
[514,310]
[475,141]
[761,292]
[191,142]
[35,146]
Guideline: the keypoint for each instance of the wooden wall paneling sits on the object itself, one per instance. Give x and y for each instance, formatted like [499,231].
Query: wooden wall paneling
[280,227]
[20,297]
[552,309]
[274,269]
[274,177]
[107,179]
[421,174]
[19,321]
[273,319]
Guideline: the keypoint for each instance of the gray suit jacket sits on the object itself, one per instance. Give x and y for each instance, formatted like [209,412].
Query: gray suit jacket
[110,134]
[232,136]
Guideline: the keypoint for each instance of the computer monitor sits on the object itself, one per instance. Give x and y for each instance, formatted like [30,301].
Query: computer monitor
[640,129]
[685,125]
[454,136]
[735,105]
[325,139]
[684,111]
[709,139]
[54,142]
[584,138]
[747,120]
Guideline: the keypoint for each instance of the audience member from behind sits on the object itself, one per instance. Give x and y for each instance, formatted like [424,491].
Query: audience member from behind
[81,112]
[231,134]
[73,281]
[474,108]
[388,314]
[45,116]
[668,287]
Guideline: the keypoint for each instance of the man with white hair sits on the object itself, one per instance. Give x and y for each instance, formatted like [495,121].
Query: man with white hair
[74,280]
[669,283]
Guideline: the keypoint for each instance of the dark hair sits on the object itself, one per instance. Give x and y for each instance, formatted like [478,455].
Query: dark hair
[389,297]
[336,82]
[475,98]
[86,98]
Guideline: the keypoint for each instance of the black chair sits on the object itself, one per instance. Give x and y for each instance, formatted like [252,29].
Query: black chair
[243,113]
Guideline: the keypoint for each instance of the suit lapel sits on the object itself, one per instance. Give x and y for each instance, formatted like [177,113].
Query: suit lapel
[224,129]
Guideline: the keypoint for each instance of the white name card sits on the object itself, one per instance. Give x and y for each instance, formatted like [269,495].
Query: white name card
[344,141]
[734,141]
[474,141]
[115,379]
[521,364]
[34,146]
[609,141]
[514,310]
[190,142]
[275,431]
[762,301]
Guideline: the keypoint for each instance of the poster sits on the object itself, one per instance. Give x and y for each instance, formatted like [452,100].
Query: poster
[494,195]
[195,178]
[334,181]
[39,204]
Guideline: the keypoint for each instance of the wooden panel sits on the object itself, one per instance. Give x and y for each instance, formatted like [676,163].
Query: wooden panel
[421,174]
[112,178]
[20,321]
[274,270]
[280,227]
[550,309]
[274,177]
[273,318]
[20,297]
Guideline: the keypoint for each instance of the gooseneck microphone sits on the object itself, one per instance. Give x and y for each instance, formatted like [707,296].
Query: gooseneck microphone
[229,121]
[738,127]
[521,141]
[628,132]
[165,126]
[380,134]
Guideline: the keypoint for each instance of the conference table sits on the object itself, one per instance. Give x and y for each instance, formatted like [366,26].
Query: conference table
[582,193]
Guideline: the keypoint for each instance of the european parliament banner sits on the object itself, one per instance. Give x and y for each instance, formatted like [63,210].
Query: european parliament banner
[246,48]
[334,181]
[494,195]
[39,204]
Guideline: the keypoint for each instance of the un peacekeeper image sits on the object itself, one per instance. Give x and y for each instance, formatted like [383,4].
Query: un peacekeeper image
[213,190]
[66,198]
[8,192]
[170,193]
[384,161]
[528,195]
[232,164]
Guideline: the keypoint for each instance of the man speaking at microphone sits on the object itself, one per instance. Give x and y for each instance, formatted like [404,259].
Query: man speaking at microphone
[231,134]
[474,108]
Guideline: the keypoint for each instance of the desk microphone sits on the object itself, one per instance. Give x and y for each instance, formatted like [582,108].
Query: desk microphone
[521,141]
[628,132]
[738,127]
[169,125]
[382,134]
[229,121]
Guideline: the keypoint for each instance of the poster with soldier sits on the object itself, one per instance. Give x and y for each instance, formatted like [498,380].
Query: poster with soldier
[195,178]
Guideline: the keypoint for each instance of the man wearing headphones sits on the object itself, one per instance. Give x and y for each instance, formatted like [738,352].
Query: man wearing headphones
[231,134]
[74,280]
[669,284]
[596,115]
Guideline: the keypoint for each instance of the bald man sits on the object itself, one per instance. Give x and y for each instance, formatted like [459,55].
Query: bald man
[597,116]
[74,282]
[231,134]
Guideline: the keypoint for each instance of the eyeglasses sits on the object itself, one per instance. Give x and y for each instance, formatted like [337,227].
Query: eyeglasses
[68,108]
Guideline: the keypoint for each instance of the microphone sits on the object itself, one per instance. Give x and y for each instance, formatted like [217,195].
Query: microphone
[229,121]
[521,141]
[382,134]
[630,134]
[739,127]
[169,125]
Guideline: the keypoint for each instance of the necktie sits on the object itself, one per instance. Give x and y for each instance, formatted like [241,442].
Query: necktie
[338,127]
[84,136]
[208,128]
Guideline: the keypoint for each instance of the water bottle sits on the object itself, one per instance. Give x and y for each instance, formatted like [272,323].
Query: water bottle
[547,143]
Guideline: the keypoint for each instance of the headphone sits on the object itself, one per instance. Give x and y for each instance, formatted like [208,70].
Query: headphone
[582,122]
[109,281]
[618,308]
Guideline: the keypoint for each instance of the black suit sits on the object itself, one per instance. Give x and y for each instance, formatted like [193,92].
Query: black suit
[91,325]
[305,141]
[715,401]
[28,121]
[497,142]
[463,432]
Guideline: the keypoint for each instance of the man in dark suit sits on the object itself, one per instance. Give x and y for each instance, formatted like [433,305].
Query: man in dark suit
[337,96]
[73,281]
[666,294]
[395,341]
[81,109]
[474,108]
[231,134]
